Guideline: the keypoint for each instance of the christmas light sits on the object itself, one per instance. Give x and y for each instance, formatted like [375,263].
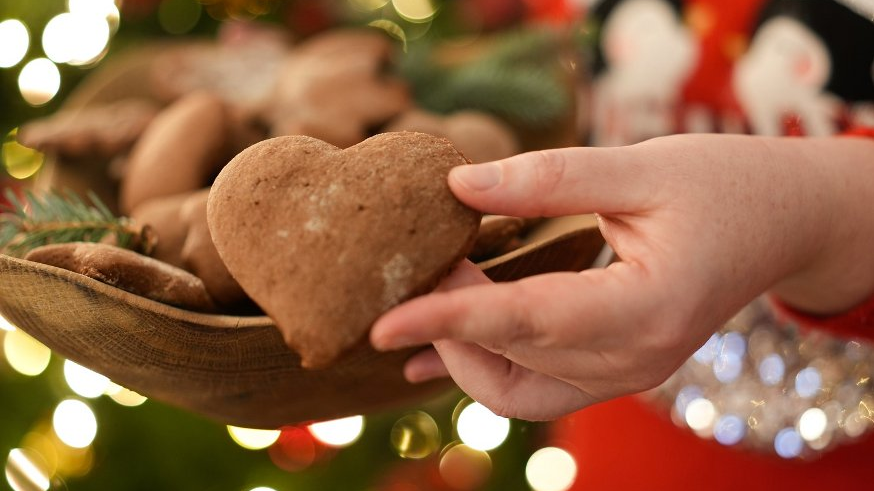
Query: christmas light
[415,10]
[339,432]
[481,429]
[700,414]
[14,42]
[5,325]
[23,473]
[812,424]
[85,382]
[21,163]
[551,469]
[74,423]
[39,81]
[77,39]
[24,354]
[415,436]
[253,439]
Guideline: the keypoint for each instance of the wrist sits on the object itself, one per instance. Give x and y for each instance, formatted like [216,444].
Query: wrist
[839,274]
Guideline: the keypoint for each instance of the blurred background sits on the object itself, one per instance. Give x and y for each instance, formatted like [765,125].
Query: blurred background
[63,426]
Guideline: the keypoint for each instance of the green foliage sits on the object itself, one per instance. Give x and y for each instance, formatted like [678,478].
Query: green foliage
[519,80]
[57,218]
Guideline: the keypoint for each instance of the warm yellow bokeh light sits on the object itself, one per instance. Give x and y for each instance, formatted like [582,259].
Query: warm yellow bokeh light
[14,42]
[480,428]
[83,381]
[551,469]
[339,432]
[464,468]
[124,396]
[24,354]
[74,423]
[415,436]
[20,162]
[24,472]
[77,39]
[5,325]
[39,81]
[415,10]
[253,439]
[262,488]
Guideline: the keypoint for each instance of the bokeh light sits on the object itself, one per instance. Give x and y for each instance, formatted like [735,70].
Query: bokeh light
[253,439]
[25,472]
[415,10]
[24,354]
[5,325]
[368,5]
[83,381]
[14,42]
[19,161]
[480,428]
[39,81]
[75,38]
[788,443]
[700,414]
[415,436]
[262,488]
[339,432]
[295,449]
[124,396]
[465,468]
[812,424]
[551,469]
[179,16]
[74,423]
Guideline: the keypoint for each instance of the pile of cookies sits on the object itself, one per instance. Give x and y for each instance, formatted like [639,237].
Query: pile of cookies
[300,181]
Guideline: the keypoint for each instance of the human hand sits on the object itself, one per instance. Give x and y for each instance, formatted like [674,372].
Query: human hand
[702,224]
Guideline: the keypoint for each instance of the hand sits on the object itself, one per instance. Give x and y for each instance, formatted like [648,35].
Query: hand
[702,225]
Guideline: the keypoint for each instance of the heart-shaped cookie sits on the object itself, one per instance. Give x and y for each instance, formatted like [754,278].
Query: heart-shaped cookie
[325,240]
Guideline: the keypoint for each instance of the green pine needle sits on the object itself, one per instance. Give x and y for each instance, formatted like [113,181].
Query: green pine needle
[519,80]
[63,217]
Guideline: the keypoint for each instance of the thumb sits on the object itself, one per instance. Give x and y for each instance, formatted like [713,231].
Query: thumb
[557,182]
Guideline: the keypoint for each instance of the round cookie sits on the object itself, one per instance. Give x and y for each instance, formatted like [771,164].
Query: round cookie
[325,240]
[129,271]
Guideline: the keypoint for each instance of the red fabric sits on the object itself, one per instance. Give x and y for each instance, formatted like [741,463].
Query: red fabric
[857,323]
[723,30]
[624,445]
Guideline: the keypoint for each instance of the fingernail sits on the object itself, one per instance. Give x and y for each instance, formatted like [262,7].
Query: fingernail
[477,177]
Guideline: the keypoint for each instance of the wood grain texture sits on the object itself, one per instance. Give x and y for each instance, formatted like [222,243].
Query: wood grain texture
[235,370]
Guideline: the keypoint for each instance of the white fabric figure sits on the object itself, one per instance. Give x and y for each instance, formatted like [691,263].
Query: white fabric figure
[783,74]
[648,55]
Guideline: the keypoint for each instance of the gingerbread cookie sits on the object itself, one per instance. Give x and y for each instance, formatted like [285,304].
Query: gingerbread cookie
[180,151]
[129,271]
[242,72]
[99,131]
[479,136]
[333,88]
[325,240]
[200,256]
[496,232]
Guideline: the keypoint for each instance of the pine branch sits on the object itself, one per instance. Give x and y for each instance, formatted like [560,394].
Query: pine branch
[519,80]
[57,218]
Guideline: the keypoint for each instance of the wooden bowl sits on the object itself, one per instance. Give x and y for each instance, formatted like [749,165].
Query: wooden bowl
[236,370]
